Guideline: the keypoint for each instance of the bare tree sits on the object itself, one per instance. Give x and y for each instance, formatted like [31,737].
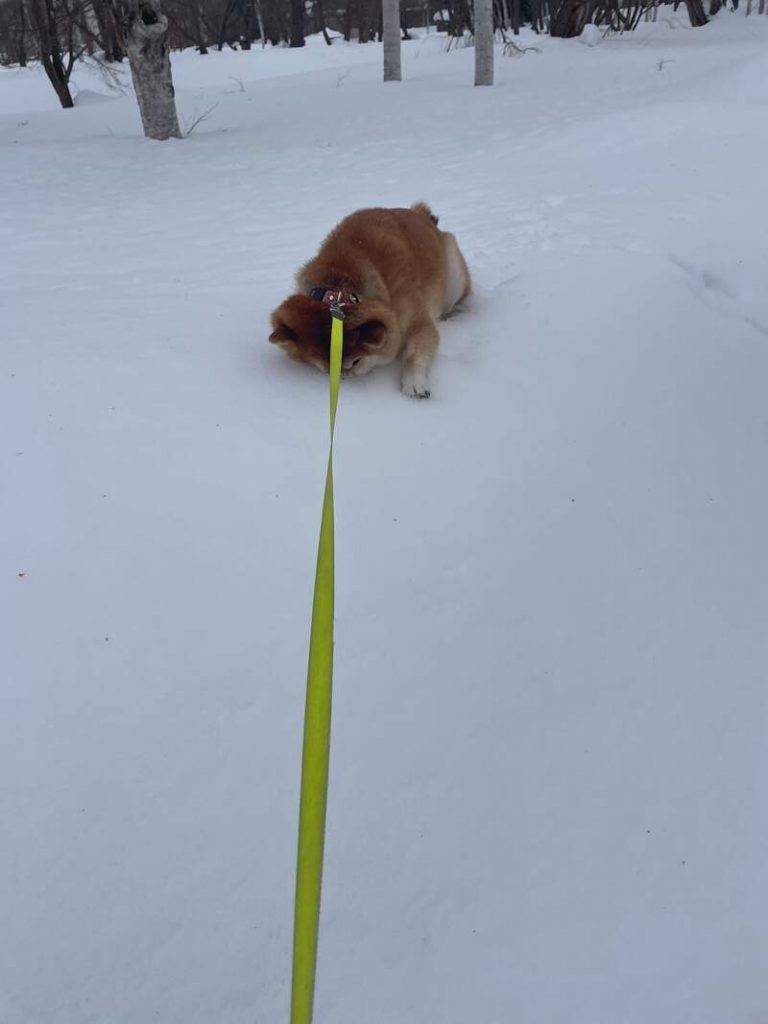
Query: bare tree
[297,23]
[321,19]
[249,25]
[391,33]
[226,13]
[483,42]
[146,39]
[54,27]
[568,17]
[696,13]
[57,33]
[109,33]
[186,26]
[13,33]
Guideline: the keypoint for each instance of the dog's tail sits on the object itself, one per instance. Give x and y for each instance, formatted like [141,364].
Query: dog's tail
[423,208]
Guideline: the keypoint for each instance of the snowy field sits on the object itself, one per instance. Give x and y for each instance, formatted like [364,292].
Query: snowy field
[547,783]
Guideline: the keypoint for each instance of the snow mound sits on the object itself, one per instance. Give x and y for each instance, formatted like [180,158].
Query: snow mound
[591,35]
[88,97]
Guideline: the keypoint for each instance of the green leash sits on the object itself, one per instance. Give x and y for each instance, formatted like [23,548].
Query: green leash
[317,733]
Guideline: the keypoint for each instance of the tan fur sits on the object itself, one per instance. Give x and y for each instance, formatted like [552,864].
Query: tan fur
[408,274]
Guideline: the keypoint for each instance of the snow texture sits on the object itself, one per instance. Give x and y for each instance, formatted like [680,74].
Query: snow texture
[547,781]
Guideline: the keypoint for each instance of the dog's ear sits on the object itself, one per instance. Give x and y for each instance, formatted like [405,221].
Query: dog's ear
[371,320]
[281,333]
[296,319]
[372,332]
[285,321]
[423,208]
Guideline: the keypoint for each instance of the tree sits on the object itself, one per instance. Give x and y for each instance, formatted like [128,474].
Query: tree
[483,42]
[391,33]
[248,33]
[568,17]
[54,27]
[13,32]
[146,42]
[696,13]
[297,23]
[321,19]
[109,36]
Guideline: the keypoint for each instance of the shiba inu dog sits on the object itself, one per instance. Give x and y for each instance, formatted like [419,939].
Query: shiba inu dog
[394,274]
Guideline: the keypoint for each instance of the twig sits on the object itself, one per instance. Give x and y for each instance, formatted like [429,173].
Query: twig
[112,77]
[238,82]
[199,120]
[511,49]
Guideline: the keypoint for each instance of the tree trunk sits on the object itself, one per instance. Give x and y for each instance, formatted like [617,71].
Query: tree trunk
[323,26]
[696,13]
[363,21]
[249,31]
[146,40]
[348,22]
[568,18]
[107,31]
[223,25]
[54,69]
[297,23]
[22,46]
[391,33]
[42,17]
[483,42]
[200,28]
[260,20]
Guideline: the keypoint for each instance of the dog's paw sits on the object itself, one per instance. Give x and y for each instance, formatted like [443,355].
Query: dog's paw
[415,385]
[416,391]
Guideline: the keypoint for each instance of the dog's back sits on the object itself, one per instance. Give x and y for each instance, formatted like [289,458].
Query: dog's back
[399,256]
[401,272]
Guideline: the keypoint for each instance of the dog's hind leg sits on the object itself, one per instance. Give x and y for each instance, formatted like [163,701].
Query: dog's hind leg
[420,347]
[459,284]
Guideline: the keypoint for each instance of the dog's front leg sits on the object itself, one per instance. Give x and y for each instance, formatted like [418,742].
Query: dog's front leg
[420,348]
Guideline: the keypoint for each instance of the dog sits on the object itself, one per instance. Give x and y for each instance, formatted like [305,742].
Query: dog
[393,273]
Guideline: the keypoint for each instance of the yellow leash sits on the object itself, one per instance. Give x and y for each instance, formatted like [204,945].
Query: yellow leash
[317,734]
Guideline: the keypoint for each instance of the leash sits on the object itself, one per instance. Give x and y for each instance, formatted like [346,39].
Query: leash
[317,729]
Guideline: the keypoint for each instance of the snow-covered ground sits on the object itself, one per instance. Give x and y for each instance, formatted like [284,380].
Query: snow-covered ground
[549,753]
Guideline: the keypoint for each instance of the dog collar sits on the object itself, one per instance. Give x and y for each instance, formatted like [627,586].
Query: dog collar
[337,298]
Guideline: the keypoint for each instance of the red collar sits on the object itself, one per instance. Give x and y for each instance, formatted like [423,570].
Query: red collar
[335,298]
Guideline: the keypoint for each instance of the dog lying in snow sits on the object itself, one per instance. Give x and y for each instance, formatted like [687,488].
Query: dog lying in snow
[394,273]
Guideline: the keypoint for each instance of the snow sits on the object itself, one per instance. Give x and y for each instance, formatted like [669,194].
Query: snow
[591,35]
[546,801]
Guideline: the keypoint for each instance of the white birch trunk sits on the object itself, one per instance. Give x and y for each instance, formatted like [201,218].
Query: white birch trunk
[483,42]
[391,32]
[260,19]
[146,42]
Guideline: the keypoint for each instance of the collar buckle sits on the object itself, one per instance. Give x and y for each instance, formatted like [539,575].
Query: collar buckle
[337,299]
